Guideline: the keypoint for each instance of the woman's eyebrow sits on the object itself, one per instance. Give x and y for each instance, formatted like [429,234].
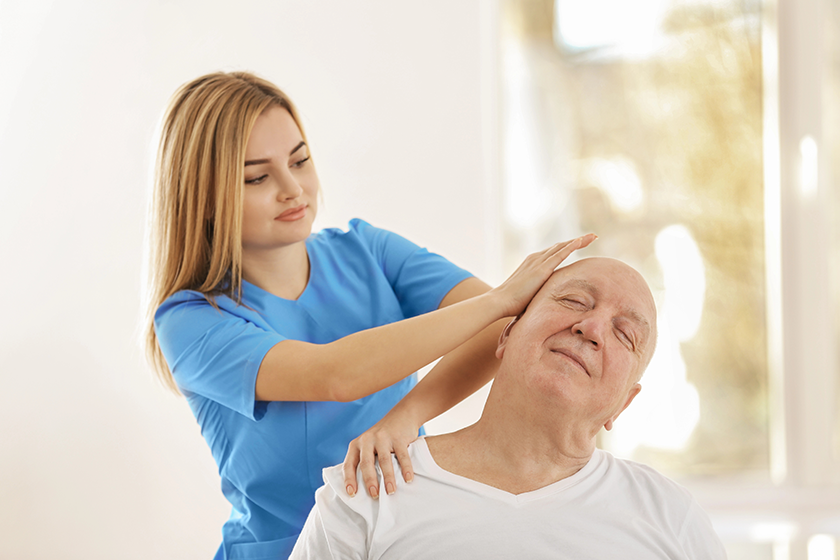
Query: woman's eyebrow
[298,147]
[268,160]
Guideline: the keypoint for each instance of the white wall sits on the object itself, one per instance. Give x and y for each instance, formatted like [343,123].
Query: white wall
[97,460]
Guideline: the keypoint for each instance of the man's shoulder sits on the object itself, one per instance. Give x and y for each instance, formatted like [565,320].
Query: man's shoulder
[639,473]
[334,476]
[640,484]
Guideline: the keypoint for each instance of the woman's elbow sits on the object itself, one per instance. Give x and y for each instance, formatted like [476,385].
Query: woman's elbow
[345,391]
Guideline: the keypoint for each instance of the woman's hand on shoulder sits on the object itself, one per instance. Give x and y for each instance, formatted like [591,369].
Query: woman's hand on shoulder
[390,435]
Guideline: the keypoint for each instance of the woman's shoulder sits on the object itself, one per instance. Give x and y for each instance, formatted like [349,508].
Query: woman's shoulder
[356,227]
[194,296]
[192,301]
[359,232]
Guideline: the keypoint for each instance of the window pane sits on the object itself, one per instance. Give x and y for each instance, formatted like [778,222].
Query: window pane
[649,134]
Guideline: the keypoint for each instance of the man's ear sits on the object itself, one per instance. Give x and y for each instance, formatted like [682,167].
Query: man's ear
[500,349]
[630,396]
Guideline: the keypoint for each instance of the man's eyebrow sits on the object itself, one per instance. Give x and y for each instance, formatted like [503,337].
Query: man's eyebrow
[637,317]
[587,286]
[268,160]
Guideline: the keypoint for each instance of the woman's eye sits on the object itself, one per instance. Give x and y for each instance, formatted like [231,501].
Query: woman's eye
[256,180]
[574,302]
[301,162]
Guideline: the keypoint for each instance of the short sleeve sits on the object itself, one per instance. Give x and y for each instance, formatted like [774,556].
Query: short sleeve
[313,542]
[211,351]
[698,537]
[420,279]
[334,529]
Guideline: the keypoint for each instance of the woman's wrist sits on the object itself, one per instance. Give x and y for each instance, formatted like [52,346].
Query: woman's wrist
[495,303]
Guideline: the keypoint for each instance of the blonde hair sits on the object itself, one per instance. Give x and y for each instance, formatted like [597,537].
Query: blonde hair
[195,215]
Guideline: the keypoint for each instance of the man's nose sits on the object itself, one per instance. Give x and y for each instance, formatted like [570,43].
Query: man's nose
[591,329]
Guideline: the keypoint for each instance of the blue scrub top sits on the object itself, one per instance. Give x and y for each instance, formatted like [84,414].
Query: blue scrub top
[270,454]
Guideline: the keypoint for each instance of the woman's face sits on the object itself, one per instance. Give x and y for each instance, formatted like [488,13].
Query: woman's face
[281,186]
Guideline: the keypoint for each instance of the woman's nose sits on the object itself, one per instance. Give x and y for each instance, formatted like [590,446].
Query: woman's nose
[289,188]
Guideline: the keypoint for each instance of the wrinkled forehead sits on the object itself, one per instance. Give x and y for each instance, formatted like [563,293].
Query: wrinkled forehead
[607,278]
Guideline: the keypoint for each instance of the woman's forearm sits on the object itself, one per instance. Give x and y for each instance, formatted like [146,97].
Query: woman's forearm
[367,361]
[456,376]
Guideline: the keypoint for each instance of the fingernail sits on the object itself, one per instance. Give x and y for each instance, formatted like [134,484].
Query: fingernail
[408,476]
[373,492]
[389,488]
[351,490]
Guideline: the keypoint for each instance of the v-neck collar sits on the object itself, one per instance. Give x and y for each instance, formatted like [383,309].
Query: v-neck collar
[430,466]
[262,298]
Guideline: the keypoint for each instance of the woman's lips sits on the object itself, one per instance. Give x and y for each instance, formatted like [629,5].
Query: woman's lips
[292,214]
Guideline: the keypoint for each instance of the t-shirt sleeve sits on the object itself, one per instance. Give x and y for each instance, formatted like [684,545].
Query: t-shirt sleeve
[698,537]
[212,352]
[313,544]
[334,529]
[420,279]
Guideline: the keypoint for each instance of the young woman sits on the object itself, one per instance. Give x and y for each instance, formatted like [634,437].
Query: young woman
[288,345]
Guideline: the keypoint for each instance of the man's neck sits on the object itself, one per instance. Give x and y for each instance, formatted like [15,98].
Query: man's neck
[511,453]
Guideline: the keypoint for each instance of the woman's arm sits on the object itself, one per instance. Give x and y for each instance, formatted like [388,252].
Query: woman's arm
[459,373]
[455,377]
[367,361]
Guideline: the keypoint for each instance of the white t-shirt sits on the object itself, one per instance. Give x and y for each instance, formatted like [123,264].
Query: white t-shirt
[611,508]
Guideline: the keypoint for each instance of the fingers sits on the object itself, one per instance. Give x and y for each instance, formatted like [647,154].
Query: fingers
[405,462]
[587,239]
[534,271]
[561,251]
[386,465]
[351,461]
[392,434]
[362,454]
[367,466]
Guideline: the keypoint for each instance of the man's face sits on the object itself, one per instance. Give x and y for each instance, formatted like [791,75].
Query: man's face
[585,339]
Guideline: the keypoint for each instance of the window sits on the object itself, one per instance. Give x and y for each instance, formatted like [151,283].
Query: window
[685,134]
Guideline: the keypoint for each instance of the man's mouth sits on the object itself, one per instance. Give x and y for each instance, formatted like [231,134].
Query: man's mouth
[572,357]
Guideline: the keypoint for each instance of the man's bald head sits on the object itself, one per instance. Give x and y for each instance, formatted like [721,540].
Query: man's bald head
[584,341]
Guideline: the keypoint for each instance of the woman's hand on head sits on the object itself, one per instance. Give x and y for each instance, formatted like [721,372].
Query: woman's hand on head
[516,292]
[392,434]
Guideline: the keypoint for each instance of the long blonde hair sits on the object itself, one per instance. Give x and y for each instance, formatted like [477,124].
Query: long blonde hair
[195,216]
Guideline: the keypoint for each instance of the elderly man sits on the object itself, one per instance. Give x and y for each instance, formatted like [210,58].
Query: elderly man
[526,481]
